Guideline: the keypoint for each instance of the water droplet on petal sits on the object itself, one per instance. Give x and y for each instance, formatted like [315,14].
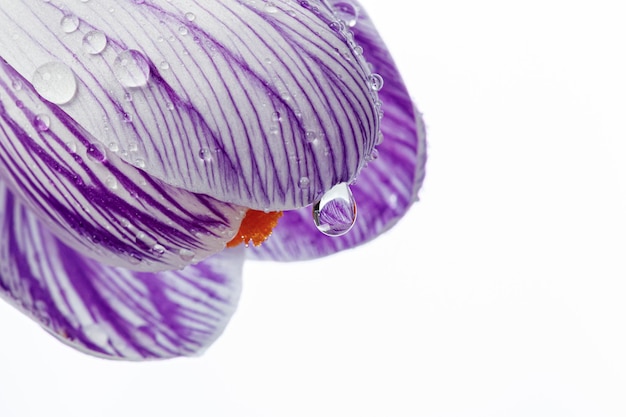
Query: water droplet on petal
[270,8]
[42,122]
[205,155]
[347,12]
[96,152]
[94,42]
[190,16]
[55,82]
[158,249]
[69,23]
[335,213]
[111,182]
[131,69]
[375,81]
[186,255]
[304,182]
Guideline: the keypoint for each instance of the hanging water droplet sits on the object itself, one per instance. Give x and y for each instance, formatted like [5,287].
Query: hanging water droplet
[69,23]
[94,42]
[55,82]
[42,122]
[335,213]
[131,69]
[347,12]
[375,81]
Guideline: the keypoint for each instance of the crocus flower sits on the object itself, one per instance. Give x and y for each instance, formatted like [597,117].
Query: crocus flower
[142,140]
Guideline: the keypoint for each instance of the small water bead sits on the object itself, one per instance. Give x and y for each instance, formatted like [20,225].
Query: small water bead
[96,152]
[164,65]
[94,42]
[111,182]
[182,30]
[310,136]
[270,8]
[190,16]
[375,82]
[158,249]
[335,213]
[131,69]
[205,155]
[69,23]
[17,85]
[304,182]
[186,255]
[42,122]
[127,117]
[276,117]
[346,12]
[55,82]
[71,146]
[95,334]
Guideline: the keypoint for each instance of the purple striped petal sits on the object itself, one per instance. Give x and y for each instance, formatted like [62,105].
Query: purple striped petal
[386,188]
[237,100]
[93,200]
[112,312]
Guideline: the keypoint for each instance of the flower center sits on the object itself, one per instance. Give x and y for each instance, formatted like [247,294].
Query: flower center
[256,227]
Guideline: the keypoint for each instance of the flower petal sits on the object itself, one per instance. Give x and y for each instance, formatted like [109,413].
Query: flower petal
[386,188]
[113,312]
[94,201]
[237,100]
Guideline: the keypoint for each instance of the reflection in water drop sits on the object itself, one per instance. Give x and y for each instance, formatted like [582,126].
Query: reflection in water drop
[335,213]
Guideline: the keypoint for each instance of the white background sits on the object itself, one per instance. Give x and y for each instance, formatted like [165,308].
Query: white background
[502,293]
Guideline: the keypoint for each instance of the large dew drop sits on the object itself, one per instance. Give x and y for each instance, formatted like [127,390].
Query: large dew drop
[335,213]
[131,69]
[55,82]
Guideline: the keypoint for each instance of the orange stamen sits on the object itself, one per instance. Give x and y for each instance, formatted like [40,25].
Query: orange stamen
[257,226]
